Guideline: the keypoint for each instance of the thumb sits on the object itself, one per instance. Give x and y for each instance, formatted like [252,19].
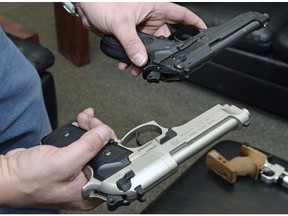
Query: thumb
[132,45]
[87,147]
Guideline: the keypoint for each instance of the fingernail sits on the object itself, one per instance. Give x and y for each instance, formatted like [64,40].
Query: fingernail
[138,59]
[104,132]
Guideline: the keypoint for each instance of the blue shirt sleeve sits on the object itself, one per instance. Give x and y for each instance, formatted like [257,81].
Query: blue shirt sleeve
[23,117]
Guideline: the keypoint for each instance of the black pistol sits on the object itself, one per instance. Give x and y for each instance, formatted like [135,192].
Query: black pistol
[174,58]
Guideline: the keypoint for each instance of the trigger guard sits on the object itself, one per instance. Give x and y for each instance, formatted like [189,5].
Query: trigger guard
[184,33]
[133,134]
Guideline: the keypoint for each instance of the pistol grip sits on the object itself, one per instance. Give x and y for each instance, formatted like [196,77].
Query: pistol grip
[110,159]
[112,48]
[248,164]
[218,164]
[256,157]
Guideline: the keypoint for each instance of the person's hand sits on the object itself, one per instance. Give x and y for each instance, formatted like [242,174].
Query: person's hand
[124,20]
[48,177]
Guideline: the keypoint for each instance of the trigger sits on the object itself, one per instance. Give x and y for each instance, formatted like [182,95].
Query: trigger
[153,77]
[138,140]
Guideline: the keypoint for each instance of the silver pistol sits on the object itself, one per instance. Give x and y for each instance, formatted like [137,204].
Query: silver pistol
[120,175]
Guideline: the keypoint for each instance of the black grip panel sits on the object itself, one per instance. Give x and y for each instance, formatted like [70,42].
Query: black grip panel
[113,48]
[108,161]
[63,136]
